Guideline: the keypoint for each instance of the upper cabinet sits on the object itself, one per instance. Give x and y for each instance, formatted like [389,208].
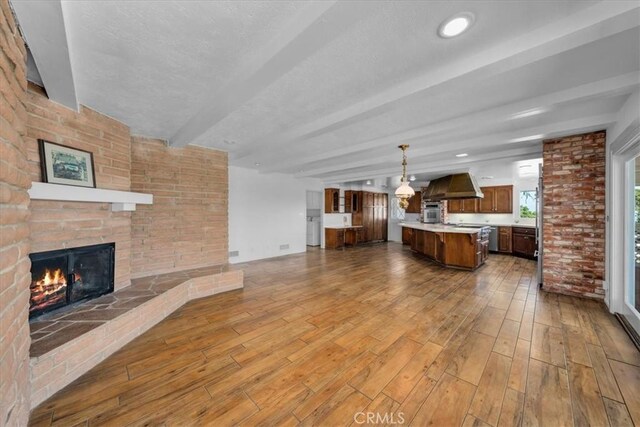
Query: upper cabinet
[415,203]
[331,200]
[497,199]
[462,206]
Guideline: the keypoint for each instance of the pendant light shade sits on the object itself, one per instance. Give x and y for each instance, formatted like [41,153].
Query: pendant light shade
[404,192]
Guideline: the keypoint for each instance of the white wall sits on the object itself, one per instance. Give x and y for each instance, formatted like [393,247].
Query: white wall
[266,211]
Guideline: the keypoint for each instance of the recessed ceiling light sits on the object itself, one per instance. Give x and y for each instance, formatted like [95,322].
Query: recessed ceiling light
[412,178]
[368,182]
[456,25]
[462,155]
[257,163]
[527,138]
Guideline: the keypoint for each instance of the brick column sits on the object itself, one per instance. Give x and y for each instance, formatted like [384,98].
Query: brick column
[574,214]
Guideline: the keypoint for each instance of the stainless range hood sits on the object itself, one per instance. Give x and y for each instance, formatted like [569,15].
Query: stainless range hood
[457,186]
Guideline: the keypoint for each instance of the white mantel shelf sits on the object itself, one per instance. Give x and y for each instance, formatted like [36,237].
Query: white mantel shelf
[120,200]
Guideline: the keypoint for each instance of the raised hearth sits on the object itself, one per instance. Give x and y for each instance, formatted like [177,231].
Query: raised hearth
[64,345]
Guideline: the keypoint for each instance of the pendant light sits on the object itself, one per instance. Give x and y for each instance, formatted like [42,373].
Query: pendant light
[404,192]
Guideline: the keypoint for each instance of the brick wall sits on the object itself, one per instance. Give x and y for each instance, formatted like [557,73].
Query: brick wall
[574,214]
[186,226]
[56,225]
[14,228]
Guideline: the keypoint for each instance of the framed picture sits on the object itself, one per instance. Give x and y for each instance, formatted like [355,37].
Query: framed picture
[65,165]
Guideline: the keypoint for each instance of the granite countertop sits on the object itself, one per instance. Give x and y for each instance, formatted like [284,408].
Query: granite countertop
[441,228]
[513,224]
[343,227]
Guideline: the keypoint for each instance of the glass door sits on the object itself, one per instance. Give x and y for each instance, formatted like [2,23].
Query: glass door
[632,243]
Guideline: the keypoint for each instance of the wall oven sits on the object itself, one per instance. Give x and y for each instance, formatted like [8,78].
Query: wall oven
[431,212]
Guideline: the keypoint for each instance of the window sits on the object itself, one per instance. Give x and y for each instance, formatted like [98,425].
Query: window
[528,204]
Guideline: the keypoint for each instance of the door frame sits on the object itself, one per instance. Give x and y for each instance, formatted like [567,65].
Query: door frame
[620,261]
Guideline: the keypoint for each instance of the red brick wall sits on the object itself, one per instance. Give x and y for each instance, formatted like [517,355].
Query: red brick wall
[56,225]
[14,227]
[186,226]
[574,214]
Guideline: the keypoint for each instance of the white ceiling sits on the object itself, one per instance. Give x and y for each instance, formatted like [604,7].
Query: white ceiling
[329,89]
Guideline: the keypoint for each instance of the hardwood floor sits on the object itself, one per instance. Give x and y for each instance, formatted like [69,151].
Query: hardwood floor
[369,335]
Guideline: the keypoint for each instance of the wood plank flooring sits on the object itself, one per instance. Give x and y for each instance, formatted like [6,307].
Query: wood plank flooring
[370,335]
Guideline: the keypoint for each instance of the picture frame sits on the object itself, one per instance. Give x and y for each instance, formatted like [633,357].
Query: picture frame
[65,165]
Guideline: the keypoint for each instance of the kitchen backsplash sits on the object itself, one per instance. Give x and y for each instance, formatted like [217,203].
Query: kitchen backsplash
[336,220]
[490,219]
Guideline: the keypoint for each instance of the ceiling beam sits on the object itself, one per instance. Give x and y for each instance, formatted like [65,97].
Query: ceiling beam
[43,27]
[487,142]
[315,26]
[621,84]
[523,153]
[594,23]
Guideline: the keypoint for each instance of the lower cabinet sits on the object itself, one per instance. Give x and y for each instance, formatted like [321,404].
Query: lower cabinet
[352,236]
[504,240]
[407,234]
[336,238]
[524,242]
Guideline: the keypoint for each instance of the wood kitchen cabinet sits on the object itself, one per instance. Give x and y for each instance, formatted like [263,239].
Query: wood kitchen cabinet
[339,237]
[375,216]
[331,200]
[524,242]
[353,204]
[498,199]
[334,238]
[462,206]
[352,236]
[504,240]
[415,204]
[407,235]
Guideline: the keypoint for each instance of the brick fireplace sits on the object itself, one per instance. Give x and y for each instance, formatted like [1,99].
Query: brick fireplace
[176,249]
[184,231]
[68,277]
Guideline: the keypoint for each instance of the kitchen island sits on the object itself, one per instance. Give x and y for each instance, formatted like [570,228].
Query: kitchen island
[452,246]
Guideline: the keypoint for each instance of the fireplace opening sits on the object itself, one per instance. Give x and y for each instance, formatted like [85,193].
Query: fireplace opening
[67,276]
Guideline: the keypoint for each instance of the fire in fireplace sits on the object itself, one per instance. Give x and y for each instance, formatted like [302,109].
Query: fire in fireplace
[67,276]
[48,291]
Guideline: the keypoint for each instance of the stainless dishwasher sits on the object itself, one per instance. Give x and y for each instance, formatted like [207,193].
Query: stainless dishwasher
[493,239]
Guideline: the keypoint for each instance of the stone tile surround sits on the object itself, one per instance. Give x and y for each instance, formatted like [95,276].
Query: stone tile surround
[67,344]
